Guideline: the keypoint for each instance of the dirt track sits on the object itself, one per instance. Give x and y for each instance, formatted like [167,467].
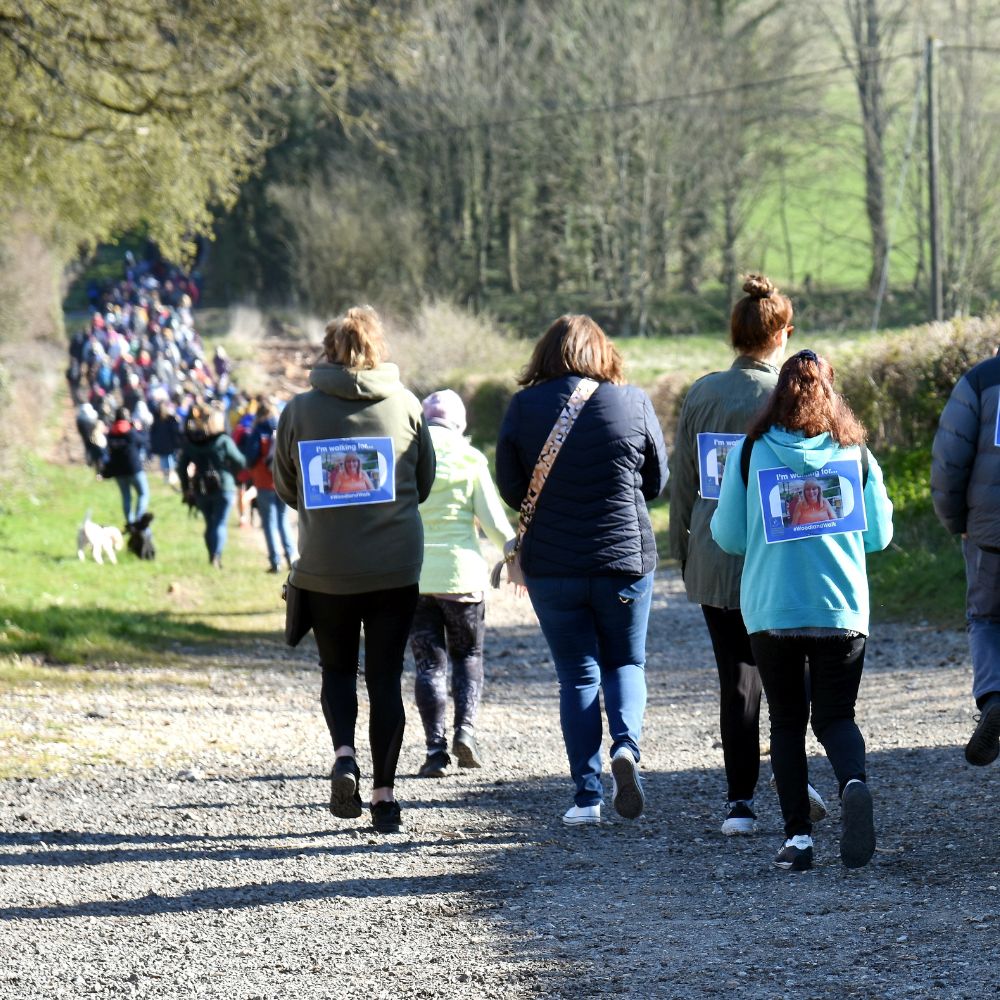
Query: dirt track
[197,857]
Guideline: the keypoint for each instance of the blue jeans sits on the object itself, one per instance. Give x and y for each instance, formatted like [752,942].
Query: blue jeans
[596,630]
[982,573]
[126,484]
[215,508]
[274,521]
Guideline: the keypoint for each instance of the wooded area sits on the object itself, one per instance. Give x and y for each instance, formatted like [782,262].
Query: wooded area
[518,155]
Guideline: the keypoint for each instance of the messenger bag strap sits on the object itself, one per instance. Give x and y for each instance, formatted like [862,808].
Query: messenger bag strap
[585,388]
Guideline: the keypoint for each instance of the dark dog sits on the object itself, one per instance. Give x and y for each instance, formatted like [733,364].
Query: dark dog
[140,537]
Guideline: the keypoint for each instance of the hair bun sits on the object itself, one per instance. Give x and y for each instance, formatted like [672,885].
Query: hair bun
[759,287]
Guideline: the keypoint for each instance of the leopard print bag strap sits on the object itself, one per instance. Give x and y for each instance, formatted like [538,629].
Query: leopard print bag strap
[585,388]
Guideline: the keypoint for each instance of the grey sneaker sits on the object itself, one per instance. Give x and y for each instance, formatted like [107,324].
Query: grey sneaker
[626,795]
[436,765]
[466,749]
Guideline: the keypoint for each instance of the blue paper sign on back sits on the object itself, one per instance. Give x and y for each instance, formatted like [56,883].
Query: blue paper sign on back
[829,501]
[713,449]
[347,472]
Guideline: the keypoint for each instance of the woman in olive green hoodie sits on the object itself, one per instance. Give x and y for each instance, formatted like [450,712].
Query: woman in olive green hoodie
[360,553]
[715,415]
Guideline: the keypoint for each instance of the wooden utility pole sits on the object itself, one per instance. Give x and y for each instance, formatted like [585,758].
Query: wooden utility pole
[933,178]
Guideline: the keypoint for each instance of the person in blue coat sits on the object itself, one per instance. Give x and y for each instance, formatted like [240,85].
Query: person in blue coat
[965,488]
[804,591]
[589,555]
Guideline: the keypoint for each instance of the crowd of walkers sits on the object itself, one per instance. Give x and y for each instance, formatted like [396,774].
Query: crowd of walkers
[146,391]
[775,501]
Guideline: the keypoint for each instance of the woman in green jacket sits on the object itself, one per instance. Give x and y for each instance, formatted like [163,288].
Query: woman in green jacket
[359,552]
[214,457]
[450,617]
[714,417]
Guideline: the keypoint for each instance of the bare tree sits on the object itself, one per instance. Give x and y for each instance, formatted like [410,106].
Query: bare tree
[865,43]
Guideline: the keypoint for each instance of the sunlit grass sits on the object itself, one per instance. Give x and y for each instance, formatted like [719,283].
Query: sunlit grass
[55,607]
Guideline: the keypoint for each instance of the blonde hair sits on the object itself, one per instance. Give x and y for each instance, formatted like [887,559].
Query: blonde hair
[215,423]
[356,339]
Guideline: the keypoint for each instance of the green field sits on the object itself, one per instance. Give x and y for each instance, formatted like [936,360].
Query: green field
[65,611]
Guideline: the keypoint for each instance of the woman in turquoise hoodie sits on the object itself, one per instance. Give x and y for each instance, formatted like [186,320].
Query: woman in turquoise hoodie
[450,618]
[804,591]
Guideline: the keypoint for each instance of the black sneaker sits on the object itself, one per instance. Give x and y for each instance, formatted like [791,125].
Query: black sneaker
[436,765]
[740,821]
[984,747]
[345,799]
[796,855]
[466,749]
[857,825]
[386,817]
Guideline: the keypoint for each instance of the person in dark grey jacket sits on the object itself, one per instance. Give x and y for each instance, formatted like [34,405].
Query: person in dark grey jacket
[717,410]
[589,555]
[965,488]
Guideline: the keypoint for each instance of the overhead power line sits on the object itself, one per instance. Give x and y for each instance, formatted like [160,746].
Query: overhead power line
[668,99]
[549,114]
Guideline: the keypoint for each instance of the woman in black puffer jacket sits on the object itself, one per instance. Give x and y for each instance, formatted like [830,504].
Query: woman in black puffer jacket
[589,556]
[124,465]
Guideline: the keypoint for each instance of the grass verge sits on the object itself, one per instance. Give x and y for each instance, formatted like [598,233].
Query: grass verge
[57,609]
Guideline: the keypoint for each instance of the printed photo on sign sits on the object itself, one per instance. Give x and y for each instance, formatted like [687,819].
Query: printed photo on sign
[346,472]
[828,501]
[713,450]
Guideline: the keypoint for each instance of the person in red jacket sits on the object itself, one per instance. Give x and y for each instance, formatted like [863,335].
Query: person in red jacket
[258,447]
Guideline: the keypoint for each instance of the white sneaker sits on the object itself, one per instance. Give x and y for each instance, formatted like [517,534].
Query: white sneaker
[626,785]
[817,807]
[582,815]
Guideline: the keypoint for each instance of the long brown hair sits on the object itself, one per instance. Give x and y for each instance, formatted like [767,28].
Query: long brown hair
[758,316]
[805,400]
[573,345]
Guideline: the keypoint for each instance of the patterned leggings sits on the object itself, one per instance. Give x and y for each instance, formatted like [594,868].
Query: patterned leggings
[442,629]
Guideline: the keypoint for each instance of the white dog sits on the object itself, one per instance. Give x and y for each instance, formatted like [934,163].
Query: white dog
[102,541]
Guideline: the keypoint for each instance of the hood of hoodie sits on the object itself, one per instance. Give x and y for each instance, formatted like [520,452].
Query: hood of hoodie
[350,383]
[799,453]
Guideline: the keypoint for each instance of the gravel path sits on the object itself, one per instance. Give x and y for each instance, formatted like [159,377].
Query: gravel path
[179,844]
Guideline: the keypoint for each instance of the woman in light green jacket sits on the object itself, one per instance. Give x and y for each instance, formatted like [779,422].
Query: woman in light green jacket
[450,620]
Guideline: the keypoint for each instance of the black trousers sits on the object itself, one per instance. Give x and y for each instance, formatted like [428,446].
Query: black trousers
[386,616]
[831,691]
[739,701]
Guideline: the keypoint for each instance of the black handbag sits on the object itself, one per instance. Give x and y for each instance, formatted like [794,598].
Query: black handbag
[297,620]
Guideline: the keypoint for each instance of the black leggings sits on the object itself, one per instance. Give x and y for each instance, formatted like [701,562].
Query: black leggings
[441,629]
[739,699]
[835,666]
[337,619]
